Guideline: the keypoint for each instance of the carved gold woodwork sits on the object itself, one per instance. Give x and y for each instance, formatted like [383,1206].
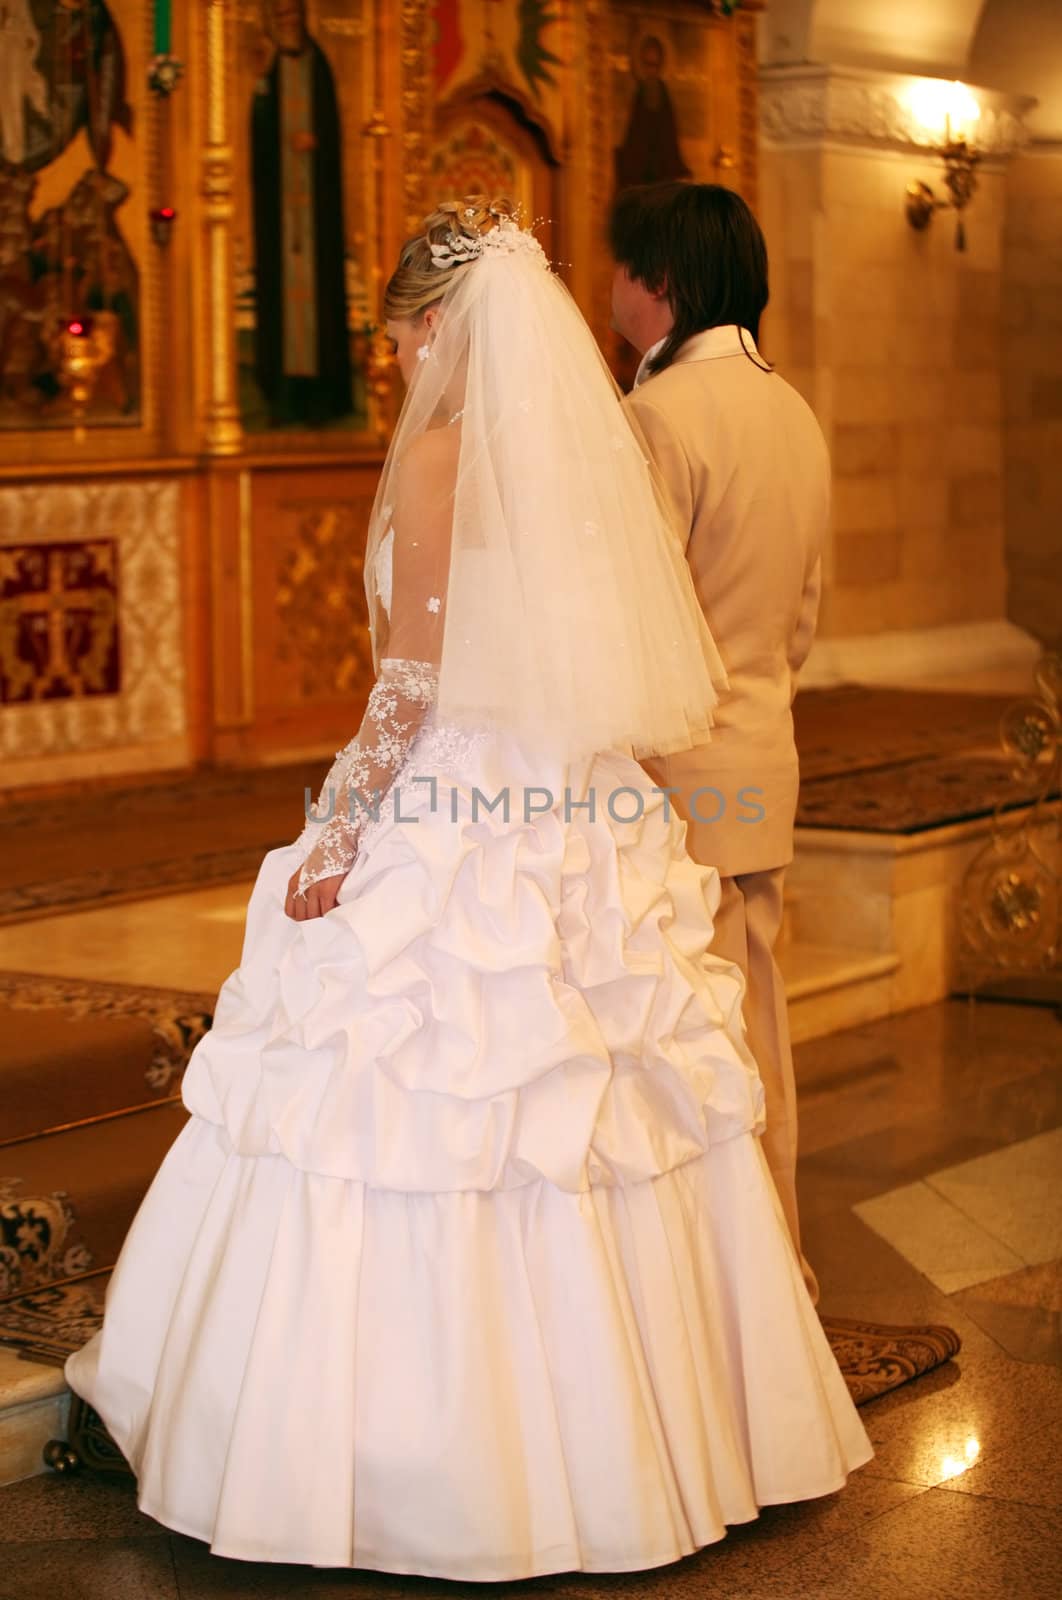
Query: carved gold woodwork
[417,110]
[323,646]
[188,293]
[270,549]
[600,154]
[748,125]
[136,162]
[1010,902]
[222,432]
[292,657]
[389,105]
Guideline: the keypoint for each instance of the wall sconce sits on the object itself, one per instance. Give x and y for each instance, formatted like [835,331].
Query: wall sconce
[948,113]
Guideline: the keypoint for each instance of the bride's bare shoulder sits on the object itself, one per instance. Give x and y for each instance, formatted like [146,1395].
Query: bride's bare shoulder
[434,444]
[430,460]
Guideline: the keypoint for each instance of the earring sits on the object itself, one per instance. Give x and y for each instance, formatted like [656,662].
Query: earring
[423,352]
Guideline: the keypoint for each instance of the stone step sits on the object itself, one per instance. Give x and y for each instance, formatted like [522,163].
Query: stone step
[34,1408]
[829,987]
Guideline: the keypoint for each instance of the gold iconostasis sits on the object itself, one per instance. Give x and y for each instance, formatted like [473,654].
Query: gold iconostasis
[199,204]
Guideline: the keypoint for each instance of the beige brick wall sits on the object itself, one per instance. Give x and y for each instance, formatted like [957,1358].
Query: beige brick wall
[1032,391]
[895,338]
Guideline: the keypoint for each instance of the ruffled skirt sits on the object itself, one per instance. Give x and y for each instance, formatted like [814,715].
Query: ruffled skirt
[468,1261]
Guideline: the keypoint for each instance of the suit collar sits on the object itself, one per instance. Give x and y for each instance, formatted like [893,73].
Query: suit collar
[708,345]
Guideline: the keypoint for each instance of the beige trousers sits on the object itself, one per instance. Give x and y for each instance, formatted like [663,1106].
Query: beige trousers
[746,930]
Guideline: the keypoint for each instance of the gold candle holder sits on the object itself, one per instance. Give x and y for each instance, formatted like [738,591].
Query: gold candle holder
[82,347]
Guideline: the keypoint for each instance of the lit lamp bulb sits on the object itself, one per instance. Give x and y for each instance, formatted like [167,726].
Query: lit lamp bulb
[947,112]
[962,116]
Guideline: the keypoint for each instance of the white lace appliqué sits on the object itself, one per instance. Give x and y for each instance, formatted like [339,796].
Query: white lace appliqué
[363,773]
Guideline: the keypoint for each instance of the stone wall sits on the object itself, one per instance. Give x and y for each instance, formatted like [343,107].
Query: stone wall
[895,337]
[1032,390]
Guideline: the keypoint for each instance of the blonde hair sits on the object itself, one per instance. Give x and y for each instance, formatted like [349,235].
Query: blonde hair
[416,282]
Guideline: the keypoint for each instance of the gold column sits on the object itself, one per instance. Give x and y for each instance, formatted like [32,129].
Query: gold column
[417,109]
[401,81]
[596,66]
[223,434]
[748,107]
[380,364]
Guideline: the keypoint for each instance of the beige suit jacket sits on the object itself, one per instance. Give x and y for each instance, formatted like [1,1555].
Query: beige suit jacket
[748,473]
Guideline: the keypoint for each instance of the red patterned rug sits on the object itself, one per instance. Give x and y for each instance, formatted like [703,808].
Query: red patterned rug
[929,793]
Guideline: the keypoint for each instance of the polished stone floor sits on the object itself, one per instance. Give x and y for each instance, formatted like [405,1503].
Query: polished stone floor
[929,1193]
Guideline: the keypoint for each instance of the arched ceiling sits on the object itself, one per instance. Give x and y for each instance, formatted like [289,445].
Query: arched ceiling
[1018,47]
[1014,45]
[931,36]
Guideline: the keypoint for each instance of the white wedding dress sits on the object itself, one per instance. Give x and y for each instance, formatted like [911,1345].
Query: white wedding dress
[468,1261]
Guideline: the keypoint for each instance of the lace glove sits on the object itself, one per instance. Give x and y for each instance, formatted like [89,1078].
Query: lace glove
[364,772]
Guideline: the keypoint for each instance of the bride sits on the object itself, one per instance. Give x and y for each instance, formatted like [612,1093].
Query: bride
[468,1261]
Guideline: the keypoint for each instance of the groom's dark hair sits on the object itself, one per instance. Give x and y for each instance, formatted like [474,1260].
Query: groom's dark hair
[702,242]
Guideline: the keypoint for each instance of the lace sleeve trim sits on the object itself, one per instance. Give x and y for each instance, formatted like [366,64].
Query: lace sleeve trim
[364,770]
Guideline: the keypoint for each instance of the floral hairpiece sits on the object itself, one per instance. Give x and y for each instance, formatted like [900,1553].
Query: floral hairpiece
[505,237]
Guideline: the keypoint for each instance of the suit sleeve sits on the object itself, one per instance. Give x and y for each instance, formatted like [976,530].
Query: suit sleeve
[808,615]
[804,632]
[666,454]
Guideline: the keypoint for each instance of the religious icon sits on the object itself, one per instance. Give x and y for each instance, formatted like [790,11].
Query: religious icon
[650,149]
[83,244]
[302,350]
[62,70]
[21,84]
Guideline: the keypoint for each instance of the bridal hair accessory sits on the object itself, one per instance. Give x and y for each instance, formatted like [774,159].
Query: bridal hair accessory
[478,230]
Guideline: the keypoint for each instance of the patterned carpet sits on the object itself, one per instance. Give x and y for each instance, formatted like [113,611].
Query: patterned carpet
[79,1049]
[916,796]
[855,729]
[901,761]
[876,1357]
[89,1104]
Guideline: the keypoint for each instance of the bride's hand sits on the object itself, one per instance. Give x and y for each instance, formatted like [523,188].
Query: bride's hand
[319,899]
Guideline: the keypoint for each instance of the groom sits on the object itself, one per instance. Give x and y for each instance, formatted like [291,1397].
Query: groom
[747,471]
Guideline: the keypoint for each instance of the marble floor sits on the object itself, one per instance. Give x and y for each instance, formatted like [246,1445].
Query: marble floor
[929,1193]
[190,940]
